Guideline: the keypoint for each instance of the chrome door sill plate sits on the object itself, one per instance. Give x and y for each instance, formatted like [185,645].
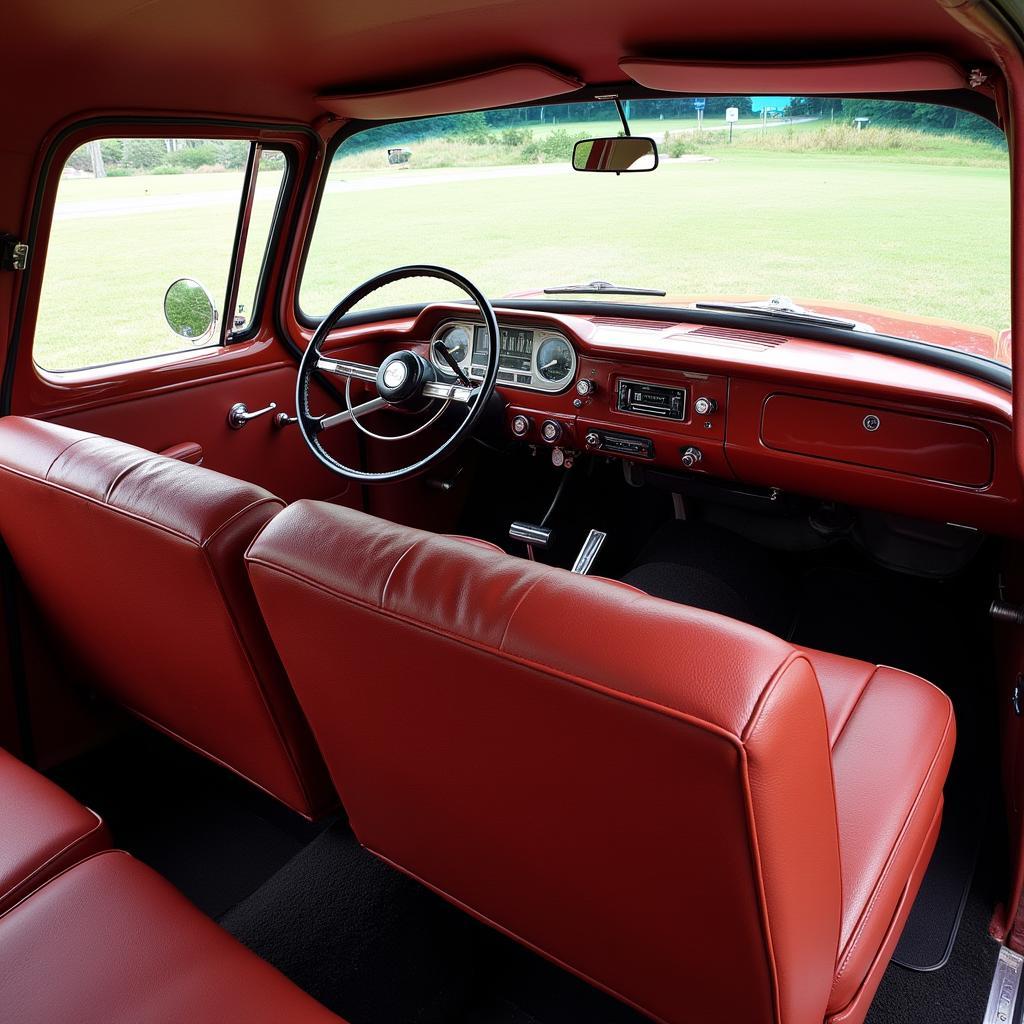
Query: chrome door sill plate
[1002,997]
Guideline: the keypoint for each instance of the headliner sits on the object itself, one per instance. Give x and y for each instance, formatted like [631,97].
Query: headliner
[270,59]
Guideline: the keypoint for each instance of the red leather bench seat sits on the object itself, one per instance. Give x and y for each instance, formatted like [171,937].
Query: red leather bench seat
[43,830]
[110,942]
[688,812]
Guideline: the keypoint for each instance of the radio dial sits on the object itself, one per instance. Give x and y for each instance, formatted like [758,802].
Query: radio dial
[585,388]
[521,425]
[705,406]
[551,431]
[593,440]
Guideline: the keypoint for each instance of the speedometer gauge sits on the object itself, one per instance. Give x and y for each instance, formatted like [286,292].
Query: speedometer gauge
[554,359]
[456,340]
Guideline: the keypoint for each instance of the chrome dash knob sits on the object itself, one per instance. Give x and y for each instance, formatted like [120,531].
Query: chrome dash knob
[691,456]
[551,431]
[521,425]
[705,406]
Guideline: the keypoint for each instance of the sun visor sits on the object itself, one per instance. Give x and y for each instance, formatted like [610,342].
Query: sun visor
[920,72]
[515,83]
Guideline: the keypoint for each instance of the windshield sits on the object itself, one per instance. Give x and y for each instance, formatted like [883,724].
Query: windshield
[893,215]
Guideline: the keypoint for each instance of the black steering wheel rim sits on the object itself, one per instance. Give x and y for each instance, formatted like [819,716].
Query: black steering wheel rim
[309,425]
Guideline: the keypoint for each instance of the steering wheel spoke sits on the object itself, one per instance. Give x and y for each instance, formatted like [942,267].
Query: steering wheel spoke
[326,422]
[450,392]
[345,368]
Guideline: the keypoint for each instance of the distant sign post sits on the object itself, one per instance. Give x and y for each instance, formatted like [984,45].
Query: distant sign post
[698,105]
[732,115]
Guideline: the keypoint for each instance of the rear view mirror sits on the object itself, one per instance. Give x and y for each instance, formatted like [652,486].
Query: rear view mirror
[624,153]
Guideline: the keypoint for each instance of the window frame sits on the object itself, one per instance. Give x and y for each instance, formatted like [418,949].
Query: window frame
[55,160]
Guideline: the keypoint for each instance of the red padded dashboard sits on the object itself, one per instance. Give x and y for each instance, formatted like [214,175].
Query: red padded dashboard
[813,418]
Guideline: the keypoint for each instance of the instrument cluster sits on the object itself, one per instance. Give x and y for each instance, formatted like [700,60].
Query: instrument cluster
[537,359]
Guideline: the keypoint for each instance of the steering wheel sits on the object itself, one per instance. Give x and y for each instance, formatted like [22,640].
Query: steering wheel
[405,380]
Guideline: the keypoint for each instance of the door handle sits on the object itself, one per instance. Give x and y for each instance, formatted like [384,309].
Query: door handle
[239,415]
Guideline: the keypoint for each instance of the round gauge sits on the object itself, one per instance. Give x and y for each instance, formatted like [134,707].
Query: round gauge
[554,359]
[456,340]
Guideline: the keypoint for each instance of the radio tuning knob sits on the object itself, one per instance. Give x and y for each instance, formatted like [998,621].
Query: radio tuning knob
[592,440]
[521,425]
[551,431]
[704,406]
[691,456]
[585,387]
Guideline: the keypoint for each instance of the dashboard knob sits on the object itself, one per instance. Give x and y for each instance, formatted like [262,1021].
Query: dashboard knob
[551,431]
[691,456]
[704,406]
[585,387]
[592,440]
[521,425]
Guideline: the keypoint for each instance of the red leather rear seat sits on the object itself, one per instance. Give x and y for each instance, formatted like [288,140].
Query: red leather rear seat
[110,942]
[683,809]
[42,830]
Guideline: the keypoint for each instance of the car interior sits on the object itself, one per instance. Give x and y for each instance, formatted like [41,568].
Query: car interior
[446,578]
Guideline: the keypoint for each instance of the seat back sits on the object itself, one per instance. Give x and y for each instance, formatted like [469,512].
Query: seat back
[136,562]
[640,791]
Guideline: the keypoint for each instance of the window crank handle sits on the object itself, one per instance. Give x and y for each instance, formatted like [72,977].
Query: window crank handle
[239,415]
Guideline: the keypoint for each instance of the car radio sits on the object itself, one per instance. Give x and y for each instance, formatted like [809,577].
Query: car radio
[652,399]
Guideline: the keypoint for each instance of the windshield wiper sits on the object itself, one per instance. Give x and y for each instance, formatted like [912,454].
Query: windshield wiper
[599,288]
[781,308]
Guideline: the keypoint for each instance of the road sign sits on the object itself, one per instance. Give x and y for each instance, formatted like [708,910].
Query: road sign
[732,114]
[698,103]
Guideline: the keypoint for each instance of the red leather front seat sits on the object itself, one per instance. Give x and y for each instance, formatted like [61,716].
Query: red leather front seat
[656,797]
[136,562]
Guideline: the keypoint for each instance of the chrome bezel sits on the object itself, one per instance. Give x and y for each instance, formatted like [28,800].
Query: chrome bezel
[537,382]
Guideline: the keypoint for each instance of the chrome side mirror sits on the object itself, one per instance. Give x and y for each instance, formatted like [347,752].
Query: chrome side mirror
[616,155]
[189,311]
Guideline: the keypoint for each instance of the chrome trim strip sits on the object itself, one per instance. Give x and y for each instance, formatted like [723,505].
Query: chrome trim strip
[449,392]
[342,368]
[1002,996]
[589,552]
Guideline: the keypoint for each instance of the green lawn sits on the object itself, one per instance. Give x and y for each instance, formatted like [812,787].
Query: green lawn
[876,230]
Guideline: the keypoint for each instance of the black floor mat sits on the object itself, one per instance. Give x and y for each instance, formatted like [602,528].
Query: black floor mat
[214,836]
[958,992]
[930,932]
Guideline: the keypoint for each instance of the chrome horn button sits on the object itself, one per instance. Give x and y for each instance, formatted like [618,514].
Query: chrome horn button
[401,376]
[396,374]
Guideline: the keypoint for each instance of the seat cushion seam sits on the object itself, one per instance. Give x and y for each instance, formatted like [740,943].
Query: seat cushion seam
[77,841]
[394,568]
[856,704]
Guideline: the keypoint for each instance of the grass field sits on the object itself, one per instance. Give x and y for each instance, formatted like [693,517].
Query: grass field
[924,236]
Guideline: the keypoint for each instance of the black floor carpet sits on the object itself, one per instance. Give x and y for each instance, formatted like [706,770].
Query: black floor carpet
[378,948]
[208,832]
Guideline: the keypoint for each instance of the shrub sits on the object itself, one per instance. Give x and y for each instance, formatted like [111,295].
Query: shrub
[144,153]
[167,169]
[119,172]
[512,137]
[194,157]
[112,150]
